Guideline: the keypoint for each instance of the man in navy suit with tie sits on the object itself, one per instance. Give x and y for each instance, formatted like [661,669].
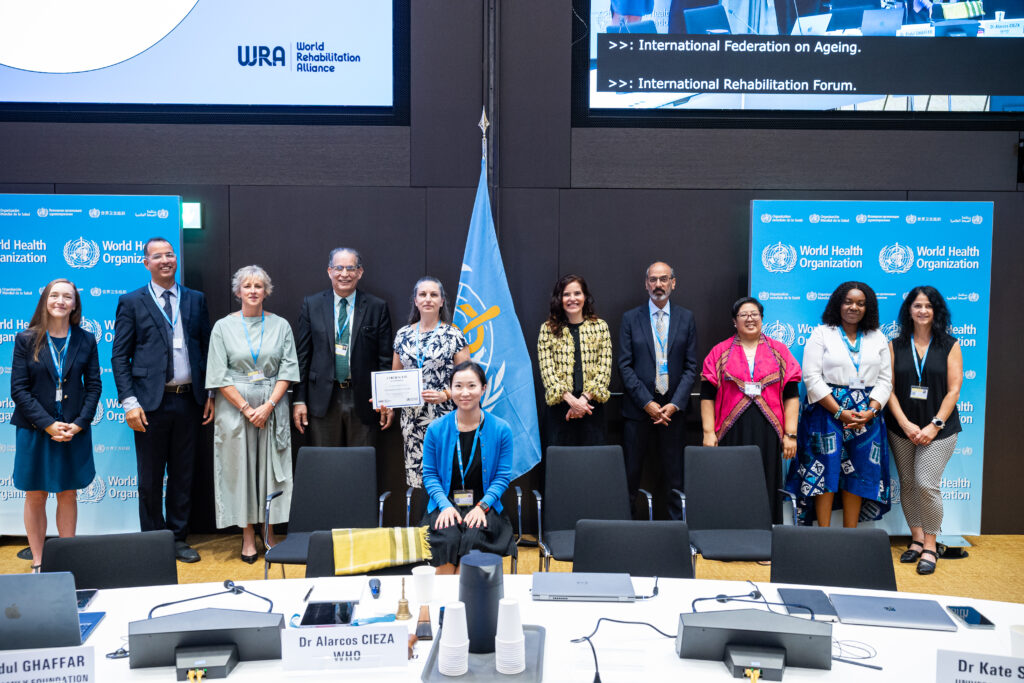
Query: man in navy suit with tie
[161,336]
[343,335]
[658,363]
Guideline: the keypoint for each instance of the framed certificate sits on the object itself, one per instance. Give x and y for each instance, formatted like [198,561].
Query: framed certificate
[397,388]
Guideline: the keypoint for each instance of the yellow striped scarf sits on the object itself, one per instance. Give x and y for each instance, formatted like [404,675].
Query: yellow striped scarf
[357,551]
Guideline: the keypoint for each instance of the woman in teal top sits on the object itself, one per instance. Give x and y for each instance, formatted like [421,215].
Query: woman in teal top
[467,465]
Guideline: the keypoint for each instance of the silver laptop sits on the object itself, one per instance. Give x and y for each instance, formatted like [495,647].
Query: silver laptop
[813,25]
[872,610]
[583,587]
[881,22]
[38,610]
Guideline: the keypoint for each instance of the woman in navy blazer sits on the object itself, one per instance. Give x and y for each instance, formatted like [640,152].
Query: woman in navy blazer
[55,385]
[467,465]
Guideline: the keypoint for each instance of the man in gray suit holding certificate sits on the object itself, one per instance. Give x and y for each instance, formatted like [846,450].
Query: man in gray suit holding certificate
[343,335]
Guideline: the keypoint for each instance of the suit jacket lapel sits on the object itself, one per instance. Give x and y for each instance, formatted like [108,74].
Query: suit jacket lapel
[357,321]
[47,359]
[327,302]
[648,335]
[673,328]
[185,306]
[74,346]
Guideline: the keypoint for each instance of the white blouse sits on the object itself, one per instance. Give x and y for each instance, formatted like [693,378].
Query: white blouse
[827,360]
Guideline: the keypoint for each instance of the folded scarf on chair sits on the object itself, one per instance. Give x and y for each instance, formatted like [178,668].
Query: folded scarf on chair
[357,551]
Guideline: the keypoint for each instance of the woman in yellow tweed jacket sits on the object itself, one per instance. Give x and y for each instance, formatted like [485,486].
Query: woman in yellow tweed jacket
[574,351]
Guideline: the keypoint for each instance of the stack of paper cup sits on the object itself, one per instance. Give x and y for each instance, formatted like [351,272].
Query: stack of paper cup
[423,584]
[509,640]
[453,649]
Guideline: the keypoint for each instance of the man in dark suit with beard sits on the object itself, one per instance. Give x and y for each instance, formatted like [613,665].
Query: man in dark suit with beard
[343,335]
[161,336]
[658,363]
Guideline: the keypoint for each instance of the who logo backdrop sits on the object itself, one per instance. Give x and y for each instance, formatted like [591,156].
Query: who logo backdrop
[801,250]
[96,242]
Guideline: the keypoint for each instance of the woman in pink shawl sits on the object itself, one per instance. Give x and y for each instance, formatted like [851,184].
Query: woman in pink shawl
[750,395]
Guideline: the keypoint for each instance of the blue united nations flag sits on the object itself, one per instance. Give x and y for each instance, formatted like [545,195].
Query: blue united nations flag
[485,314]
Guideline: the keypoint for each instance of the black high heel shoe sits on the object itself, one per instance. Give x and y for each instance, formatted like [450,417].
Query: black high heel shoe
[251,559]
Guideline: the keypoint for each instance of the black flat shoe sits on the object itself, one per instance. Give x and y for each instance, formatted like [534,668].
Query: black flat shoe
[927,566]
[185,553]
[250,559]
[910,555]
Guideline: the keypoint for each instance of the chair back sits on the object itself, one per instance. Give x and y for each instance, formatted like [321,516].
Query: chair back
[725,488]
[637,548]
[584,482]
[144,558]
[848,558]
[334,488]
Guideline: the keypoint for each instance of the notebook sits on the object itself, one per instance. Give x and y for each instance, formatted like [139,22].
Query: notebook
[583,587]
[873,610]
[38,610]
[808,597]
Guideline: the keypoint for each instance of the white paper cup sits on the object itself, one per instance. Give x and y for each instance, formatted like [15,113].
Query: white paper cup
[452,660]
[1017,640]
[454,630]
[1000,15]
[423,583]
[510,657]
[510,624]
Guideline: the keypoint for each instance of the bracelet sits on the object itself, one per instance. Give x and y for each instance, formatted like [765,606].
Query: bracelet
[272,402]
[839,413]
[244,406]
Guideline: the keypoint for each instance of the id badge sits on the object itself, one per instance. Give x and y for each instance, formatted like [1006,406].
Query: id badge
[463,498]
[59,396]
[663,367]
[857,383]
[256,375]
[341,349]
[919,392]
[178,343]
[752,389]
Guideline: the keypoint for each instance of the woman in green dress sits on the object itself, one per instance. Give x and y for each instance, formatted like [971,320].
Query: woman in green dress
[251,363]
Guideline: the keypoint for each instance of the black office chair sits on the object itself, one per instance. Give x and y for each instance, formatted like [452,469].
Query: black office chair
[143,558]
[726,504]
[587,482]
[637,548]
[333,488]
[850,558]
[320,559]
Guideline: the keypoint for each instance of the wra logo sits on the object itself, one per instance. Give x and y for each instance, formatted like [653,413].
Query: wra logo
[778,258]
[260,55]
[81,253]
[896,258]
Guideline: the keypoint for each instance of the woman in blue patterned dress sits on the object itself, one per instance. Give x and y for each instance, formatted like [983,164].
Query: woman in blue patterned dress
[432,343]
[841,440]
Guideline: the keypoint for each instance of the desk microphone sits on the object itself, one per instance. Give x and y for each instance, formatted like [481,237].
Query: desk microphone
[741,20]
[230,586]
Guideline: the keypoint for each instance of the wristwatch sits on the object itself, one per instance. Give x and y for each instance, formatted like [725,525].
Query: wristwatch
[484,506]
[791,436]
[940,423]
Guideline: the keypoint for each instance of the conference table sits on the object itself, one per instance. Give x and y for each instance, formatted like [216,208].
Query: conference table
[625,652]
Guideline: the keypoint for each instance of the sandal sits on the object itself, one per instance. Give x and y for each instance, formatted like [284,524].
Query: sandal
[927,566]
[910,555]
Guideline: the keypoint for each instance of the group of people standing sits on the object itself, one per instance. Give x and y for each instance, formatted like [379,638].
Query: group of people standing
[174,372]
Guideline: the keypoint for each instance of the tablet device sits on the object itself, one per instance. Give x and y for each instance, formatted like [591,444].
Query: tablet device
[38,610]
[329,613]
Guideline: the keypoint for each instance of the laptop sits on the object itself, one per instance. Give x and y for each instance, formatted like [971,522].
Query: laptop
[38,610]
[813,25]
[710,20]
[583,587]
[873,610]
[881,22]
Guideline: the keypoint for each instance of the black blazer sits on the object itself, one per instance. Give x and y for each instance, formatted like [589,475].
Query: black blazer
[370,351]
[637,359]
[142,342]
[34,382]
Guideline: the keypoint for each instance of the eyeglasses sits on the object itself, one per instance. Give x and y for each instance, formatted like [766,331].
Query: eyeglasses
[658,280]
[342,269]
[749,316]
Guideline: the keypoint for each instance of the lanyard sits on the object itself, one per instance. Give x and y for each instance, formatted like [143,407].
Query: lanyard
[660,342]
[348,315]
[458,447]
[852,348]
[159,304]
[58,359]
[924,359]
[245,327]
[419,350]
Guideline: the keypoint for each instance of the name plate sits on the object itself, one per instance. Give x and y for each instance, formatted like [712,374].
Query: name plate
[345,647]
[956,667]
[68,664]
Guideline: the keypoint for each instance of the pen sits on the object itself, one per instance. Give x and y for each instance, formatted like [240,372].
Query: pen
[308,593]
